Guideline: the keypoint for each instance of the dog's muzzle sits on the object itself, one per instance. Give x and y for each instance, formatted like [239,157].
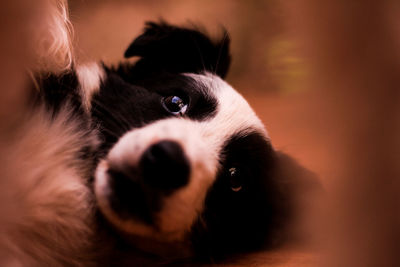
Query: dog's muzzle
[137,191]
[154,180]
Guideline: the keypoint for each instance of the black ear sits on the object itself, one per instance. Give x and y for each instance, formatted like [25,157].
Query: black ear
[180,50]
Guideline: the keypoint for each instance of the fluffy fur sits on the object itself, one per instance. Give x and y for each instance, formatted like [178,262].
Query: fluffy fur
[146,162]
[48,200]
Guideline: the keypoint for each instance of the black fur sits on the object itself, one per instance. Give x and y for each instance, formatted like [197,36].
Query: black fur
[180,50]
[56,91]
[61,93]
[247,219]
[125,103]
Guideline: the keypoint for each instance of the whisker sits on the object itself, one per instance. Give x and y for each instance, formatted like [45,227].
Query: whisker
[222,42]
[199,50]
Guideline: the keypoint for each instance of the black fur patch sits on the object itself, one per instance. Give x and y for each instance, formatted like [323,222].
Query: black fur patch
[57,91]
[61,93]
[243,220]
[178,50]
[125,102]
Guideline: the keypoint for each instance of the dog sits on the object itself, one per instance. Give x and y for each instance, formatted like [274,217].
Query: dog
[153,161]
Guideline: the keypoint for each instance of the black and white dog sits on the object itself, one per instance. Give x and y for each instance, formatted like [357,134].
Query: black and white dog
[166,158]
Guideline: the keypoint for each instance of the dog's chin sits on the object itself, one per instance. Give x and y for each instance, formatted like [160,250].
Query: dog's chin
[133,226]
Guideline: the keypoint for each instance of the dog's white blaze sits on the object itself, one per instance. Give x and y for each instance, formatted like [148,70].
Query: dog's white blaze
[90,77]
[182,207]
[234,114]
[202,142]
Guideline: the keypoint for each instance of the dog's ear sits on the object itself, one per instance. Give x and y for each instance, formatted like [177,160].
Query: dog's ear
[181,50]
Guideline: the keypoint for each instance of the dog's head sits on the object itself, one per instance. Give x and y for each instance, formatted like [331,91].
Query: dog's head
[185,156]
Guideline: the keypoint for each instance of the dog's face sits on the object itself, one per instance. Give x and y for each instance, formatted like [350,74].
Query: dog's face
[185,157]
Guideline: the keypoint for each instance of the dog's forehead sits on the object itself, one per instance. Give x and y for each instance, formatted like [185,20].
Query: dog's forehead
[234,115]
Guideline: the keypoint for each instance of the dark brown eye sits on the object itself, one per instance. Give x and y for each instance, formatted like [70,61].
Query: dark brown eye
[174,105]
[235,182]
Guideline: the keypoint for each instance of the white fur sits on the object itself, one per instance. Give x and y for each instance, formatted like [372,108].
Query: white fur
[52,38]
[202,142]
[234,114]
[90,77]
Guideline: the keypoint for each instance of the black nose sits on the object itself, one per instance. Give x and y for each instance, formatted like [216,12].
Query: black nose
[165,166]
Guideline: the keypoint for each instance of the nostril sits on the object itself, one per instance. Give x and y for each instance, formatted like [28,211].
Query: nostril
[165,166]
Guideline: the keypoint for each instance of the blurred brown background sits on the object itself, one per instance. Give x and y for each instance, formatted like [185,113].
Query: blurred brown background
[323,76]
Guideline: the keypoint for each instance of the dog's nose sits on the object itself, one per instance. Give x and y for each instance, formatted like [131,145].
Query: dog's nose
[165,166]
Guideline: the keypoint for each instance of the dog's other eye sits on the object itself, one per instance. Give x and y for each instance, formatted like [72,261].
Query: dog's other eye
[236,184]
[175,105]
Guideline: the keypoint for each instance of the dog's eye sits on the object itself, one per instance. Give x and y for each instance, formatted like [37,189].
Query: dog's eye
[235,182]
[175,105]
